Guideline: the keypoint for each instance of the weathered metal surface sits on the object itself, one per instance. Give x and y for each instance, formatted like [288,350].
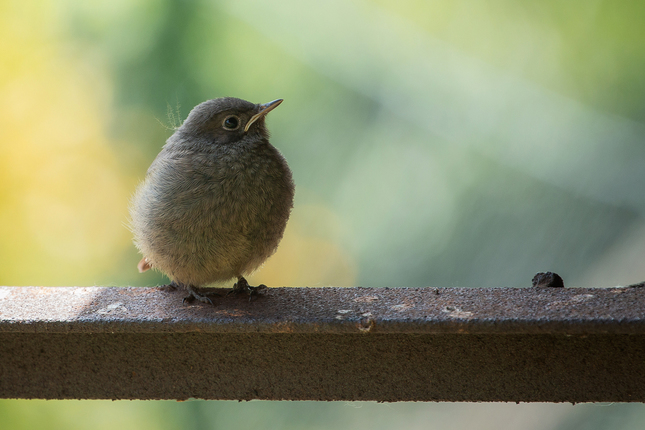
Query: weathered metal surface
[429,344]
[326,310]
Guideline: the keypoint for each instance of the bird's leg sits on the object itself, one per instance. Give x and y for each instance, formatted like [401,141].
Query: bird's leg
[193,294]
[243,287]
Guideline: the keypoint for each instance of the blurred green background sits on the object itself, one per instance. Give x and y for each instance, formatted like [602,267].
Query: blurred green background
[446,143]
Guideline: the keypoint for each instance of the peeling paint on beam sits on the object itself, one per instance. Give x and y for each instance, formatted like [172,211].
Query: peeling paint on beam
[385,344]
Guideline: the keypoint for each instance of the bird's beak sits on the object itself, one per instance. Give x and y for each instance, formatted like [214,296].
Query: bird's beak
[264,109]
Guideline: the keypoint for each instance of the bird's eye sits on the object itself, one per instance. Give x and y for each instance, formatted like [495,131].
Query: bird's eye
[231,122]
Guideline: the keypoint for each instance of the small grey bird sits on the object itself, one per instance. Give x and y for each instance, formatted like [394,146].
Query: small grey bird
[216,200]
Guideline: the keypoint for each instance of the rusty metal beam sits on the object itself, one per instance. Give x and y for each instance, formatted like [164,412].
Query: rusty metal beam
[385,344]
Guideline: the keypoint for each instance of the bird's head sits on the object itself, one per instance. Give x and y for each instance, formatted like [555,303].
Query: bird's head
[227,120]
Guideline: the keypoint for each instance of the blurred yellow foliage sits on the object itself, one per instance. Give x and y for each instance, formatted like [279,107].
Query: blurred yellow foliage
[62,199]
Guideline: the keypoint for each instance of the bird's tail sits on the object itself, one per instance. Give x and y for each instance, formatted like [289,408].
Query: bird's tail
[143,265]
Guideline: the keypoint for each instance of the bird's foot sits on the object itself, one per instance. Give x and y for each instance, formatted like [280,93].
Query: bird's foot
[200,295]
[243,287]
[173,286]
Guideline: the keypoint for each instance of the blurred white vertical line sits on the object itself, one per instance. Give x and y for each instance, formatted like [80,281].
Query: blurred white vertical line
[550,137]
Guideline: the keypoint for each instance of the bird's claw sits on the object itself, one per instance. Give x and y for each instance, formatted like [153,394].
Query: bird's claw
[194,295]
[243,287]
[169,287]
[191,298]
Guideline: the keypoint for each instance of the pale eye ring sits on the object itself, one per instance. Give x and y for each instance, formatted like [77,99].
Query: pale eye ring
[231,122]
